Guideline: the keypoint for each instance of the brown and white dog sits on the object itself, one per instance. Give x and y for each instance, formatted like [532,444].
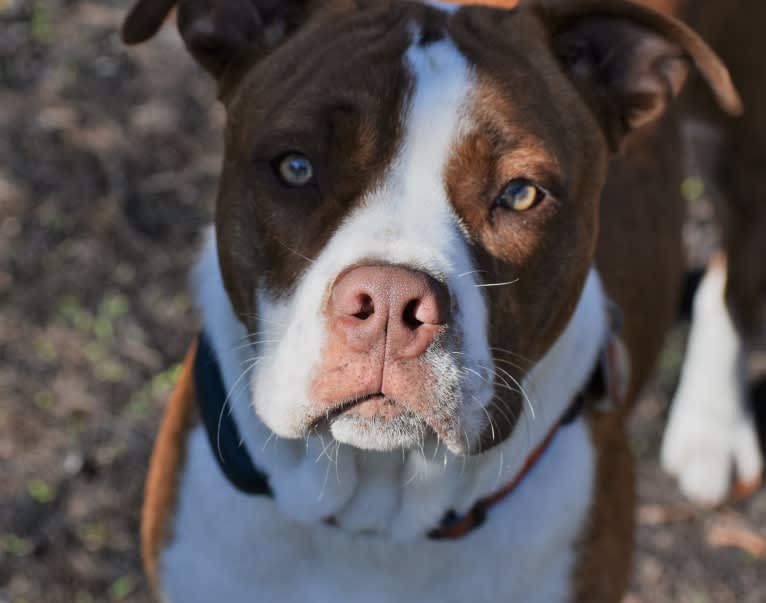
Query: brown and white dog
[425,217]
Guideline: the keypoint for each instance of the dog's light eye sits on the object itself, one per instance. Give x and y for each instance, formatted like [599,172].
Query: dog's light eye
[295,170]
[520,195]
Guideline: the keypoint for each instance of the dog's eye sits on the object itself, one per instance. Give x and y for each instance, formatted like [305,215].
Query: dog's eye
[295,170]
[520,195]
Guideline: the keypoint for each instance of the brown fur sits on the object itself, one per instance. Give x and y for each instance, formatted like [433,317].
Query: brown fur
[642,272]
[735,30]
[643,281]
[604,565]
[168,458]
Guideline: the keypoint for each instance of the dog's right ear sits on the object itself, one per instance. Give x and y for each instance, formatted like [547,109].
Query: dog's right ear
[219,33]
[628,60]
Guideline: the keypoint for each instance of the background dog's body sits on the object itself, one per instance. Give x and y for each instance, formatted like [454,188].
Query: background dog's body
[711,438]
[568,525]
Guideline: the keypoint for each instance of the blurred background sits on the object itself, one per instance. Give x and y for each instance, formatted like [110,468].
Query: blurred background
[108,164]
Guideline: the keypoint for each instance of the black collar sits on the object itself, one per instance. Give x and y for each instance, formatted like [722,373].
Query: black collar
[225,440]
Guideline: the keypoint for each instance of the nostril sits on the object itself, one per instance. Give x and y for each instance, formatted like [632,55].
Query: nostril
[409,316]
[366,307]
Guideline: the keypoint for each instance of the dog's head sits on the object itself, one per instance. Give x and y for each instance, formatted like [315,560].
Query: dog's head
[408,209]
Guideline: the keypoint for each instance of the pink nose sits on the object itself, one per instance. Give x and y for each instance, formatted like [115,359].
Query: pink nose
[401,308]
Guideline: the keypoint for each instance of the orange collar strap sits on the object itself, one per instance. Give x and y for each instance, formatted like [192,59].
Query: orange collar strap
[604,391]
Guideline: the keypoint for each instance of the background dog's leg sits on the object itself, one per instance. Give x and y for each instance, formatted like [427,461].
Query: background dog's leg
[711,429]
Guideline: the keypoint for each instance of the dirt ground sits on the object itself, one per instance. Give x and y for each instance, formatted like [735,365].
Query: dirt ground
[108,161]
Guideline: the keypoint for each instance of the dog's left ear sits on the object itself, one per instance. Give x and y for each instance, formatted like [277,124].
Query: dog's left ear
[629,61]
[219,33]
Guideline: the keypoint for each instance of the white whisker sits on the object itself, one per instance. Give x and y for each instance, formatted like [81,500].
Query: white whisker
[469,273]
[226,403]
[484,285]
[521,390]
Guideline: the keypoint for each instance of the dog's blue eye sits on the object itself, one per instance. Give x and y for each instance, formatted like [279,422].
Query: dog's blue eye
[520,195]
[295,170]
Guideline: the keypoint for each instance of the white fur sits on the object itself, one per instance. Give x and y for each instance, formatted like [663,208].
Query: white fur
[239,549]
[711,432]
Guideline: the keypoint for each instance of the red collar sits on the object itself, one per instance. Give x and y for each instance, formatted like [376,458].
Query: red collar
[606,389]
[454,527]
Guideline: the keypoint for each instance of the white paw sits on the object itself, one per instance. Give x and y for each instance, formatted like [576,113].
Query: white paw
[707,454]
[710,442]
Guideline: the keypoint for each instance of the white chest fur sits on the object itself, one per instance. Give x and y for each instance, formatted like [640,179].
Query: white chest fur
[235,548]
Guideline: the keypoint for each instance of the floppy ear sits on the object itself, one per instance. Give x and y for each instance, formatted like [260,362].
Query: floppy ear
[218,33]
[630,61]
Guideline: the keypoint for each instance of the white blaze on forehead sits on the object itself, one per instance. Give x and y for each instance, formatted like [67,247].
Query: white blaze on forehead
[437,117]
[407,220]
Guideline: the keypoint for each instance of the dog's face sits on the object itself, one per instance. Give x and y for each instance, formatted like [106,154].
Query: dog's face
[409,203]
[406,220]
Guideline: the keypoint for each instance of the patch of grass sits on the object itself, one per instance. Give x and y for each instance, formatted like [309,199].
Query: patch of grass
[163,382]
[140,405]
[93,535]
[100,324]
[103,328]
[122,587]
[45,350]
[111,309]
[41,491]
[95,352]
[75,426]
[114,307]
[73,313]
[15,545]
[84,597]
[139,408]
[41,29]
[111,372]
[43,400]
[105,367]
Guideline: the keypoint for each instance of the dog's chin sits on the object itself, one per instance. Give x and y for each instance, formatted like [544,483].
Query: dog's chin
[403,432]
[377,423]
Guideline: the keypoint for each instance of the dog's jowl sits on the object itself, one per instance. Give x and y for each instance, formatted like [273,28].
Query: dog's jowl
[445,254]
